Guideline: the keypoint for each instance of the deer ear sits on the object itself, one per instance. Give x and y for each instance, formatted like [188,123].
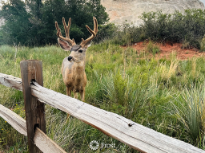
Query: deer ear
[89,45]
[64,45]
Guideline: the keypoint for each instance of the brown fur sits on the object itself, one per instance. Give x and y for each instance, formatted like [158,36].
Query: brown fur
[75,79]
[73,66]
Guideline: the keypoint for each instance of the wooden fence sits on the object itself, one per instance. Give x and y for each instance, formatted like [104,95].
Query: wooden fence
[35,96]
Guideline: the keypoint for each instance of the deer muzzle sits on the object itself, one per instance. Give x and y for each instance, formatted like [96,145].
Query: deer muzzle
[73,59]
[70,58]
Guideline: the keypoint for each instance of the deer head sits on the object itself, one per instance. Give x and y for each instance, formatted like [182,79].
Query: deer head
[77,51]
[73,66]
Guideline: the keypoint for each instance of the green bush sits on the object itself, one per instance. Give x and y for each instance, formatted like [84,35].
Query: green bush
[1,37]
[178,27]
[202,44]
[105,32]
[152,48]
[127,34]
[187,28]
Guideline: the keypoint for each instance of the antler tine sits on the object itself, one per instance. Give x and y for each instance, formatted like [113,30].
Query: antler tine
[58,29]
[93,32]
[67,29]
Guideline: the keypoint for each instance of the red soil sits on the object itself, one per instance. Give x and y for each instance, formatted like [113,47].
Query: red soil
[167,49]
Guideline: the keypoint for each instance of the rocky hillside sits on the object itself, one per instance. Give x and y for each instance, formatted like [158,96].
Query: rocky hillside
[121,11]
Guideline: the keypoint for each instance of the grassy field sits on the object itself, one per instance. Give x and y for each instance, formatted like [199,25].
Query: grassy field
[166,95]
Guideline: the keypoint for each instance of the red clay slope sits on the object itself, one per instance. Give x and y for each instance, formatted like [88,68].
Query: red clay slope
[167,49]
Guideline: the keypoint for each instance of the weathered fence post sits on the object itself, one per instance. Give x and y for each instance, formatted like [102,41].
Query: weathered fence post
[31,70]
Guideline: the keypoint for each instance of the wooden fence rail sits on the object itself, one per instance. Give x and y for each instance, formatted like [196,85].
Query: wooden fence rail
[135,135]
[43,142]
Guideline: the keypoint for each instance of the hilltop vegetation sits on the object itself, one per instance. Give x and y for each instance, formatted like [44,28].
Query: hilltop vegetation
[36,27]
[187,28]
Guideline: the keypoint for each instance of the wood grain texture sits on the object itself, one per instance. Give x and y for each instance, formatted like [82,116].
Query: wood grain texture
[11,81]
[13,119]
[41,140]
[135,135]
[34,109]
[46,145]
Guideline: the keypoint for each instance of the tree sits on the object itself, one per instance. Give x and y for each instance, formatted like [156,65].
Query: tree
[36,24]
[17,22]
[80,11]
[34,8]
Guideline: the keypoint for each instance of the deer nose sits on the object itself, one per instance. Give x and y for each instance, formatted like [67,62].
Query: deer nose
[70,57]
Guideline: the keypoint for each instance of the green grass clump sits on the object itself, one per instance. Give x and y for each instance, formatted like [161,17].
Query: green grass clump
[188,107]
[152,48]
[202,44]
[165,95]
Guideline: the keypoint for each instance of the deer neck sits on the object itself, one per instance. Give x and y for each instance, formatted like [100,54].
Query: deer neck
[79,68]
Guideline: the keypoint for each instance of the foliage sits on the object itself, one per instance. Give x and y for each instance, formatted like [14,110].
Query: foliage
[152,48]
[105,32]
[17,23]
[34,24]
[154,93]
[178,27]
[188,108]
[80,11]
[187,28]
[202,44]
[127,34]
[1,37]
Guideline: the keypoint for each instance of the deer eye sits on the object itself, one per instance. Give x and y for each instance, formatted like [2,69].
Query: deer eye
[80,51]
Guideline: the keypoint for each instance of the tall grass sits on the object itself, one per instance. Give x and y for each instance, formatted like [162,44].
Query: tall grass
[188,107]
[143,90]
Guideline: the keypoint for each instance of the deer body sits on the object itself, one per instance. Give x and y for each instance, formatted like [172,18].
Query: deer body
[73,66]
[74,77]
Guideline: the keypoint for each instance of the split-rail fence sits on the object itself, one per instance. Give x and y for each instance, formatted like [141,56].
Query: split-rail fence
[36,96]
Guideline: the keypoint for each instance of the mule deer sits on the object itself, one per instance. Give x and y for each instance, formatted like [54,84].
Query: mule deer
[73,66]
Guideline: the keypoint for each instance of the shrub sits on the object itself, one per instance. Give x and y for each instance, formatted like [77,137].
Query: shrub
[105,32]
[178,27]
[202,44]
[128,34]
[152,48]
[189,110]
[187,28]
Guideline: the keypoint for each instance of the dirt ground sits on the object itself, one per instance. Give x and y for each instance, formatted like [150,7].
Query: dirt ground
[167,49]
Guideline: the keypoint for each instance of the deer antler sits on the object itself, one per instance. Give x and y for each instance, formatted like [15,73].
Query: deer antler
[67,29]
[93,32]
